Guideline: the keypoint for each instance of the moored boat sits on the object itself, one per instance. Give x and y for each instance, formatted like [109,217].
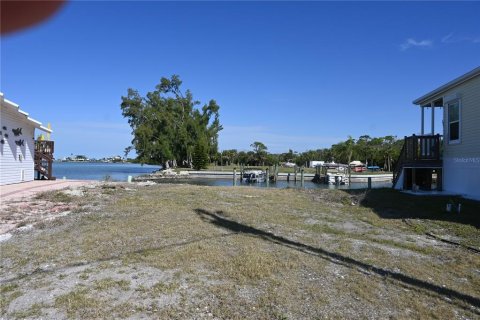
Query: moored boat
[253,176]
[332,173]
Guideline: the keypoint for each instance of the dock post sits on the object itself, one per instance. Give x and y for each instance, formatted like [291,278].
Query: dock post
[288,177]
[275,172]
[302,183]
[369,182]
[295,176]
[267,174]
[234,176]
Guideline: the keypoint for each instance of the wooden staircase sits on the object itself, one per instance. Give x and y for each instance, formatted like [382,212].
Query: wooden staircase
[44,159]
[419,152]
[397,171]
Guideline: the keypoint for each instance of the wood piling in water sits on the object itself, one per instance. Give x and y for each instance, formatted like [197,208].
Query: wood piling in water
[302,181]
[267,176]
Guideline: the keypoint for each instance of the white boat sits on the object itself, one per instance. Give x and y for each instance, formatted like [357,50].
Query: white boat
[289,164]
[252,176]
[332,173]
[336,178]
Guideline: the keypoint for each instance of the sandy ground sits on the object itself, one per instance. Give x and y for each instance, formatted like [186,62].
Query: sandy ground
[150,251]
[21,196]
[29,189]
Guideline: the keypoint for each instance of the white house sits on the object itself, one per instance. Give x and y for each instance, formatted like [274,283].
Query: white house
[17,145]
[454,159]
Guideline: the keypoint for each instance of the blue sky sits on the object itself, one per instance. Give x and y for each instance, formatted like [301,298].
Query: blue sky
[292,75]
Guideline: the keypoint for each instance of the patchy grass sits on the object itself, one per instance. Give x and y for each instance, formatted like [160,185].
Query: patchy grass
[77,304]
[110,283]
[54,196]
[164,288]
[179,251]
[8,293]
[34,311]
[426,213]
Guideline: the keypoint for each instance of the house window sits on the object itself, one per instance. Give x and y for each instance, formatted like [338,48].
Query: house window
[454,121]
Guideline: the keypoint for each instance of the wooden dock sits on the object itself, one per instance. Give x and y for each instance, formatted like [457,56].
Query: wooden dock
[285,176]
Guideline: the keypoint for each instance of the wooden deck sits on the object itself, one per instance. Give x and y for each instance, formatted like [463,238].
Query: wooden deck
[419,152]
[44,159]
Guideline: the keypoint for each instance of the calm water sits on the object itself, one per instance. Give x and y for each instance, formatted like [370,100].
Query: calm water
[121,171]
[99,170]
[279,184]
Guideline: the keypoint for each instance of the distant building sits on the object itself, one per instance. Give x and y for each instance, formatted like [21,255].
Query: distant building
[315,163]
[18,156]
[449,162]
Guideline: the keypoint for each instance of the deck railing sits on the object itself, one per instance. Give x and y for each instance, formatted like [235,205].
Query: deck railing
[417,150]
[45,147]
[44,158]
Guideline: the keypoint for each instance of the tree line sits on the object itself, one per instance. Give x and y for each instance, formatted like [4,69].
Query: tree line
[170,128]
[381,151]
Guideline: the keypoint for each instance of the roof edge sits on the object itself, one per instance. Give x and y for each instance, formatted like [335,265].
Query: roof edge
[447,86]
[45,129]
[37,124]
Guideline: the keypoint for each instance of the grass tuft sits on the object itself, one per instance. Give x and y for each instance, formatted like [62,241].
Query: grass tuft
[110,283]
[55,196]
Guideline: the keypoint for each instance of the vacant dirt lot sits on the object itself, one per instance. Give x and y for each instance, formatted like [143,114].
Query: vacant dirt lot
[178,251]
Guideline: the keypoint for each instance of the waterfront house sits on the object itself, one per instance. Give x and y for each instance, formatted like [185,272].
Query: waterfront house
[450,161]
[20,154]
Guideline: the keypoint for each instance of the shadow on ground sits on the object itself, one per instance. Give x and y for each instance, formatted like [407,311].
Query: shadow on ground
[392,204]
[217,218]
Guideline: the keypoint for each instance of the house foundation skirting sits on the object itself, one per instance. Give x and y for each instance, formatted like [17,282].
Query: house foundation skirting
[462,176]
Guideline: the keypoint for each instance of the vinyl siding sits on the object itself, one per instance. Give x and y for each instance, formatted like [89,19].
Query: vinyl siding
[469,146]
[462,176]
[461,161]
[10,165]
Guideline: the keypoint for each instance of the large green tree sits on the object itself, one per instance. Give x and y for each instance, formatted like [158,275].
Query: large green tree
[344,151]
[260,151]
[200,155]
[168,123]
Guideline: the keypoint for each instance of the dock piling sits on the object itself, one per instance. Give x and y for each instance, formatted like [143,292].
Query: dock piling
[302,182]
[234,176]
[267,174]
[369,182]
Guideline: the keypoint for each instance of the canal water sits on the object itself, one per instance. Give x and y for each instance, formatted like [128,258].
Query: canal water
[278,184]
[100,170]
[121,171]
